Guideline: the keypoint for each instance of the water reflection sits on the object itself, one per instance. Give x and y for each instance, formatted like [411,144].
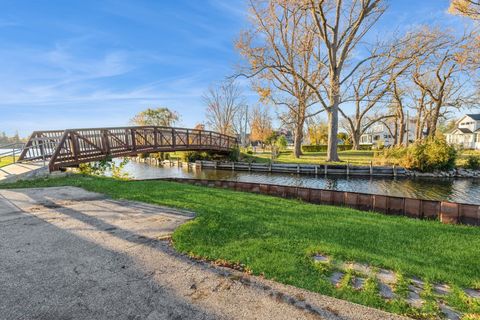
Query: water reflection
[457,190]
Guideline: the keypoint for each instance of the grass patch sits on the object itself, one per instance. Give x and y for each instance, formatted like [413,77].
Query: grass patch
[6,160]
[354,157]
[276,237]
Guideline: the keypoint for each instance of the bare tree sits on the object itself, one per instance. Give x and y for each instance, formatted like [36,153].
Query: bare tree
[279,48]
[339,27]
[199,126]
[163,117]
[261,125]
[441,75]
[241,122]
[223,102]
[468,8]
[317,130]
[372,86]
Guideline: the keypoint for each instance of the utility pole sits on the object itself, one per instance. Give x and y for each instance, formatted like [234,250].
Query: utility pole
[408,129]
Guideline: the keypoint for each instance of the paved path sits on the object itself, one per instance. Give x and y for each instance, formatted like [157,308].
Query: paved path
[70,254]
[17,170]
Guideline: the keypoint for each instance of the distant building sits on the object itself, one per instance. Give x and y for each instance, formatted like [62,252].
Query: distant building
[382,133]
[466,133]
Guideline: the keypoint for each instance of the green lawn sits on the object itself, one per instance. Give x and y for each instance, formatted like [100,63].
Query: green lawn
[276,237]
[354,157]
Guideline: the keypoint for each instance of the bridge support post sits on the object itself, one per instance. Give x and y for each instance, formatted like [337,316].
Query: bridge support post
[105,142]
[134,140]
[74,145]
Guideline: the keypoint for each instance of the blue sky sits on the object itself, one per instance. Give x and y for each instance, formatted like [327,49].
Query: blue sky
[70,64]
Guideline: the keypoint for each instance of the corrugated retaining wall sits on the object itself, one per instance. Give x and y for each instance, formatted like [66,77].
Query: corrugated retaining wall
[446,212]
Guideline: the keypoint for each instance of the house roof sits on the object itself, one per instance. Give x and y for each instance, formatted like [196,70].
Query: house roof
[474,116]
[465,130]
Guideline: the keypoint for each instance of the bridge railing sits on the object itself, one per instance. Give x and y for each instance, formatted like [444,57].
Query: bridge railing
[75,146]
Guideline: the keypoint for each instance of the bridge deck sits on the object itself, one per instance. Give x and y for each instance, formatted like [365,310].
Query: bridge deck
[65,148]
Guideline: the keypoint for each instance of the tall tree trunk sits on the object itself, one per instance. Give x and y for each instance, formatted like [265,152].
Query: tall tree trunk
[395,133]
[332,152]
[298,134]
[418,125]
[356,139]
[401,128]
[434,119]
[297,142]
[401,133]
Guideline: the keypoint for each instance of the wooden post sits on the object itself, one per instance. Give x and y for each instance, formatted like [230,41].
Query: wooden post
[326,169]
[74,145]
[394,171]
[155,139]
[134,141]
[371,168]
[105,142]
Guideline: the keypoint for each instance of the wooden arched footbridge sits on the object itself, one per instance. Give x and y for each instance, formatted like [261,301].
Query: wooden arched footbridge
[67,148]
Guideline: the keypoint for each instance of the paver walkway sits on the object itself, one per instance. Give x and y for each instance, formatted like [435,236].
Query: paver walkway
[21,170]
[70,254]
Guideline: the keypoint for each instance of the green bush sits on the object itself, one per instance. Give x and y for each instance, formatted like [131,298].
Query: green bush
[192,156]
[281,143]
[392,155]
[234,155]
[323,147]
[473,162]
[104,168]
[425,155]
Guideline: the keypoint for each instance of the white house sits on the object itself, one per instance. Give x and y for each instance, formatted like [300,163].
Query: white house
[382,133]
[467,132]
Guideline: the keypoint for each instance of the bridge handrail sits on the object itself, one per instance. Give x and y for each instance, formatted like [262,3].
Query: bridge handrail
[74,146]
[133,127]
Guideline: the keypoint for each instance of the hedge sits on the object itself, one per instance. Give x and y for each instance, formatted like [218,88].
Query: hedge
[323,147]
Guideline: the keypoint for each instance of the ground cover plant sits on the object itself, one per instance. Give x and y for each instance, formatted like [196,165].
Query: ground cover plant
[278,238]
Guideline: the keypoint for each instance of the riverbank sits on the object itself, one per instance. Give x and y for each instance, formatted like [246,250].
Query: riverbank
[351,157]
[430,188]
[277,238]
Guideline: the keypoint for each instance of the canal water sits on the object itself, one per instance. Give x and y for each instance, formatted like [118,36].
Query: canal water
[456,190]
